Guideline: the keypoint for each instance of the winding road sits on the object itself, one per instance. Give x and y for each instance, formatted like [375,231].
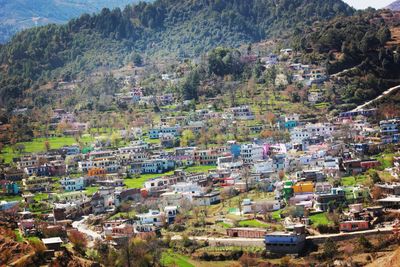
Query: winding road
[83,228]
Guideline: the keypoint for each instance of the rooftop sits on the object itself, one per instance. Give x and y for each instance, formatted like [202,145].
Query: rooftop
[52,240]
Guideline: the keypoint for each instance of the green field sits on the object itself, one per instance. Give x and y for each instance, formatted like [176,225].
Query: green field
[37,145]
[138,182]
[200,168]
[173,259]
[253,223]
[10,198]
[320,219]
[386,160]
[353,180]
[91,190]
[224,225]
[40,197]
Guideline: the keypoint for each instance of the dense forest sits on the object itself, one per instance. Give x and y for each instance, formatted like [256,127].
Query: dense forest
[182,28]
[24,14]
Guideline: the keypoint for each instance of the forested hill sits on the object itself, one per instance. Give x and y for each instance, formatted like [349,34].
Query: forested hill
[362,51]
[184,28]
[16,15]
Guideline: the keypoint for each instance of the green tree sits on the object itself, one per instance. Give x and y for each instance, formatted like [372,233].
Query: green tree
[115,138]
[137,59]
[187,138]
[364,244]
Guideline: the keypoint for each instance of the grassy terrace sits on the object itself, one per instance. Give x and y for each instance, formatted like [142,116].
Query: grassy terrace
[253,223]
[91,190]
[173,259]
[320,219]
[10,198]
[200,168]
[353,180]
[37,145]
[138,182]
[170,258]
[40,197]
[386,160]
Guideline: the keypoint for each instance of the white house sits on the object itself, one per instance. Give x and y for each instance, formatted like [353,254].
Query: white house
[155,132]
[110,164]
[187,188]
[250,153]
[207,199]
[298,134]
[228,163]
[157,165]
[242,113]
[153,217]
[263,166]
[72,184]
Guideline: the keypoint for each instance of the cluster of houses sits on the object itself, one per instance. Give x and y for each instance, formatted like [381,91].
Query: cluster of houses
[298,170]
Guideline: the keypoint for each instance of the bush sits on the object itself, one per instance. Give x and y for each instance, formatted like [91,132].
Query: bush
[330,249]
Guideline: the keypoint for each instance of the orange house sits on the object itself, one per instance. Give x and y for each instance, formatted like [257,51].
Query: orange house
[351,226]
[96,172]
[303,188]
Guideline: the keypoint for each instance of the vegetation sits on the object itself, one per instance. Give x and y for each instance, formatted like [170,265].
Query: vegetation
[253,223]
[109,38]
[357,46]
[353,180]
[138,182]
[47,12]
[173,259]
[37,145]
[320,219]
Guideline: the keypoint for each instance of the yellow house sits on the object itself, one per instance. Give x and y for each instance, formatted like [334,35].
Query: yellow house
[303,187]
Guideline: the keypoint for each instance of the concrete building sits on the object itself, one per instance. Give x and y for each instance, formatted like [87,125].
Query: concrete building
[246,232]
[72,184]
[351,226]
[155,132]
[34,183]
[110,164]
[286,242]
[250,153]
[153,217]
[242,113]
[207,199]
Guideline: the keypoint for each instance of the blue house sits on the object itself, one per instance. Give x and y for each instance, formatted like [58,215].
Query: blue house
[285,243]
[155,132]
[4,205]
[10,188]
[235,150]
[71,150]
[290,124]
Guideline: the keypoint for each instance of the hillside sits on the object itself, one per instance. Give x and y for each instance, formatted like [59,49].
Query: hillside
[184,28]
[395,6]
[361,54]
[16,15]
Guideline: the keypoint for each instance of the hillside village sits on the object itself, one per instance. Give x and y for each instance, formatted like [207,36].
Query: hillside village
[278,182]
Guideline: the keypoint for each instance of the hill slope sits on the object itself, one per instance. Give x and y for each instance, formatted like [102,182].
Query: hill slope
[16,15]
[186,28]
[395,6]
